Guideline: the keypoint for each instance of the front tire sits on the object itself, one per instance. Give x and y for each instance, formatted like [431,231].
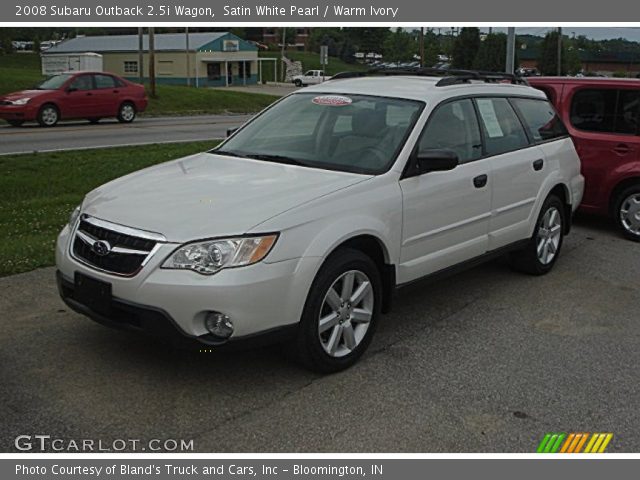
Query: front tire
[298,83]
[541,253]
[127,112]
[340,314]
[48,115]
[627,212]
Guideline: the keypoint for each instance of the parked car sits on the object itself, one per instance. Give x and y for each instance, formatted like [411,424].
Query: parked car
[311,77]
[305,220]
[603,117]
[90,95]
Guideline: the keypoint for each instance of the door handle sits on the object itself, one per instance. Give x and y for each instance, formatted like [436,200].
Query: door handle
[480,181]
[621,149]
[538,164]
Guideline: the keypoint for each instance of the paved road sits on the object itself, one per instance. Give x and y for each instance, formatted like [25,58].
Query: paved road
[486,361]
[72,135]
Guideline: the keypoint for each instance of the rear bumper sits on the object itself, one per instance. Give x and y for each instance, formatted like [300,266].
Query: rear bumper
[157,323]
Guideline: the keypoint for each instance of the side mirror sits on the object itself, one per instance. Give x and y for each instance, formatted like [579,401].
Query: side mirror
[71,89]
[436,161]
[231,131]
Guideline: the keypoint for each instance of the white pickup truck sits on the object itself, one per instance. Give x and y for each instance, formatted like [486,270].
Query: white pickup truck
[311,77]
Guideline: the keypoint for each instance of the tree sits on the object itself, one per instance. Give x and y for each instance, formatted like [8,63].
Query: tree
[431,48]
[400,46]
[548,56]
[492,53]
[465,48]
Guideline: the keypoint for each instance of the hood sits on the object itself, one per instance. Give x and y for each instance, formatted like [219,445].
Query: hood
[209,195]
[23,94]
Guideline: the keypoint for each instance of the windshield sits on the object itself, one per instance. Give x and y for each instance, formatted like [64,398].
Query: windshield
[353,133]
[53,83]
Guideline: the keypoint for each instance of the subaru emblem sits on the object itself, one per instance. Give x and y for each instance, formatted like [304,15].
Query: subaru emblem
[101,248]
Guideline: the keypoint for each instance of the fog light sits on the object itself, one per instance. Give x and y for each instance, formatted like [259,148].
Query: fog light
[218,324]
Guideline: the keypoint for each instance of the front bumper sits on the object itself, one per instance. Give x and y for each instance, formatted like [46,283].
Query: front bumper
[259,299]
[17,112]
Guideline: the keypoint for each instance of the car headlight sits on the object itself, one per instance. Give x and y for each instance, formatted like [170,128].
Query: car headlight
[21,101]
[73,218]
[211,256]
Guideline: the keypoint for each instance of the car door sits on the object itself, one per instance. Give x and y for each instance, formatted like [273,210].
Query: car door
[519,169]
[107,96]
[79,97]
[446,214]
[604,124]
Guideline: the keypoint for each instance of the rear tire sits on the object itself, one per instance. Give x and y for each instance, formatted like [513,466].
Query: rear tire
[48,115]
[340,314]
[541,253]
[627,212]
[16,123]
[127,112]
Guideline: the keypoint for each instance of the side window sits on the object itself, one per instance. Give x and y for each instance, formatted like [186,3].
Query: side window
[540,118]
[503,131]
[83,82]
[594,110]
[104,81]
[454,126]
[628,112]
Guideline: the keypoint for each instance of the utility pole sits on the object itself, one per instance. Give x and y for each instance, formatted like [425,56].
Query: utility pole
[511,50]
[186,32]
[152,63]
[421,46]
[284,42]
[140,56]
[559,68]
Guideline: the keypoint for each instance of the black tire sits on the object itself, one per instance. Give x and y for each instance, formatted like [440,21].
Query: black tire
[94,120]
[307,347]
[298,83]
[622,203]
[527,260]
[48,115]
[127,112]
[16,123]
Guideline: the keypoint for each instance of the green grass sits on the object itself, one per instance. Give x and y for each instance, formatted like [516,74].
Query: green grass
[182,100]
[19,71]
[39,191]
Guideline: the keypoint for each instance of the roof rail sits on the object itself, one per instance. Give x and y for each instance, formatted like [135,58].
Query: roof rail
[450,77]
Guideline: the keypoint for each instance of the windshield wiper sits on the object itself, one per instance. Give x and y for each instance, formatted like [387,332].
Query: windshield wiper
[228,153]
[276,158]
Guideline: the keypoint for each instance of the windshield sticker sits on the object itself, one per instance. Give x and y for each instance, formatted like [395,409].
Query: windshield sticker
[332,100]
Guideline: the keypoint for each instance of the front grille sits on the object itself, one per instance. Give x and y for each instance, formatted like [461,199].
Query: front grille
[126,250]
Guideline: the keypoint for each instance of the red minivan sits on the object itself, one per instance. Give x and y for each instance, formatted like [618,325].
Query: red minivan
[603,118]
[90,95]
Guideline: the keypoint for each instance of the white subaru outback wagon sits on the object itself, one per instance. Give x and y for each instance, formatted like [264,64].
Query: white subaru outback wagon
[303,222]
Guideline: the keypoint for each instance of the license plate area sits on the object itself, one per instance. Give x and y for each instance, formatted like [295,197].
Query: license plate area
[93,293]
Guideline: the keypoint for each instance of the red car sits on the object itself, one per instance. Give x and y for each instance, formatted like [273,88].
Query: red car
[90,95]
[603,117]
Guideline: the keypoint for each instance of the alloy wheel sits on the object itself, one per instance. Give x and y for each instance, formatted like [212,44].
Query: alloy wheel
[49,116]
[346,313]
[630,213]
[127,112]
[549,236]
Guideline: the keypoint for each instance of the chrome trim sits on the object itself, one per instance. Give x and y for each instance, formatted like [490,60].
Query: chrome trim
[90,240]
[115,227]
[76,232]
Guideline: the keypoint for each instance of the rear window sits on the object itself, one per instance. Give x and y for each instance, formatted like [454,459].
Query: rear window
[606,110]
[540,119]
[105,81]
